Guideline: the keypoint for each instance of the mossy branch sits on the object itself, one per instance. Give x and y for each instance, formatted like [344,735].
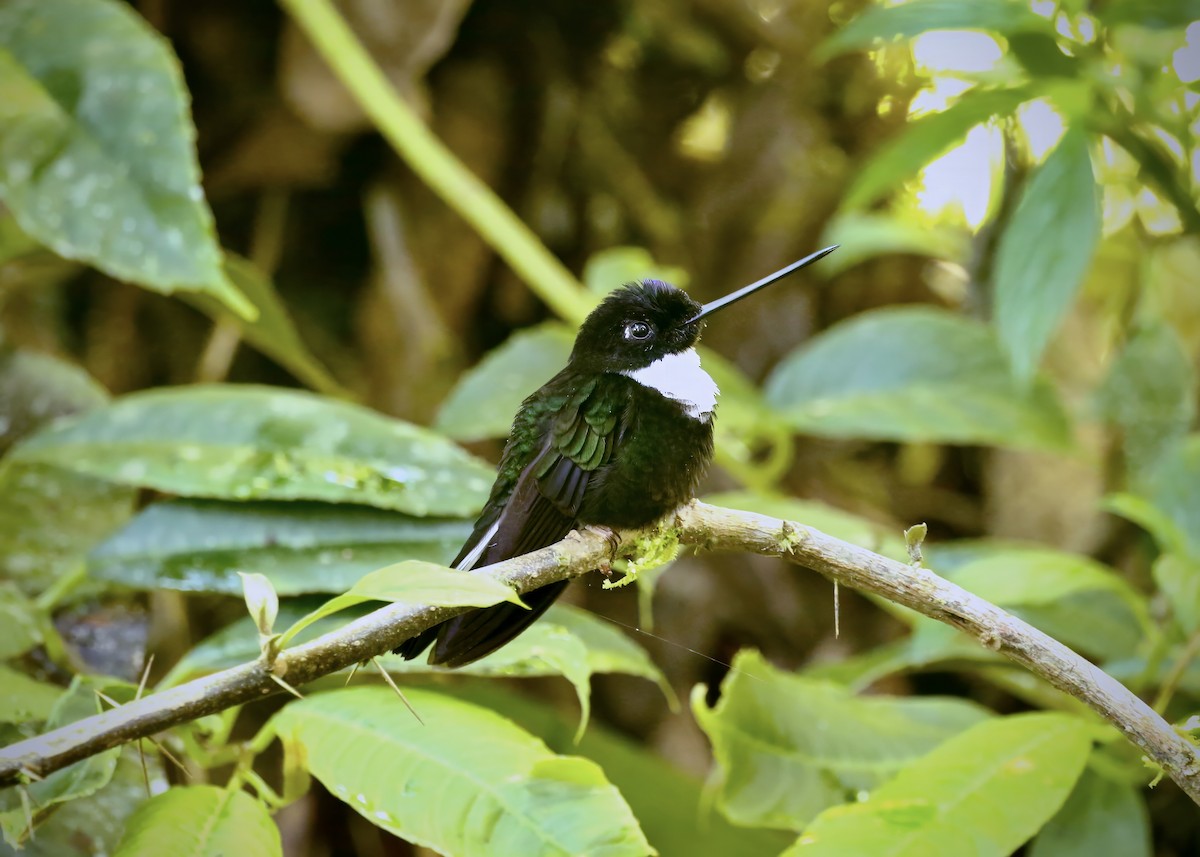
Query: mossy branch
[696,524]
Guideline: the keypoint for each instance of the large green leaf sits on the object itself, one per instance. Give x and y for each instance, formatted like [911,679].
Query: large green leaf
[200,545]
[272,331]
[1073,598]
[484,401]
[249,442]
[917,374]
[669,804]
[566,641]
[465,782]
[905,20]
[1150,395]
[414,582]
[1102,816]
[96,146]
[1158,14]
[201,821]
[48,518]
[983,792]
[923,140]
[20,621]
[788,746]
[1044,252]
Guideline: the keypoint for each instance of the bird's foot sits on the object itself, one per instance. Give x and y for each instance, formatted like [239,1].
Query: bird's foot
[608,534]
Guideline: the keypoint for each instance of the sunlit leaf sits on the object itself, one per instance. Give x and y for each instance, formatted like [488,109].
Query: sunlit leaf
[864,236]
[200,545]
[465,782]
[983,792]
[921,16]
[922,140]
[1045,251]
[272,332]
[414,582]
[201,821]
[1150,394]
[250,442]
[913,373]
[1102,816]
[97,157]
[485,400]
[781,771]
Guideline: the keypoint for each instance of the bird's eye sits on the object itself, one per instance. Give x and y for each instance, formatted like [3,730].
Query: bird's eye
[638,330]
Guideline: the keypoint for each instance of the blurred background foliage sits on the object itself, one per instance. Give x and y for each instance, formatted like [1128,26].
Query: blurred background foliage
[1005,348]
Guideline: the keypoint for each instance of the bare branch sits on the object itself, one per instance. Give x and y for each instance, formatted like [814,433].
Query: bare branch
[696,524]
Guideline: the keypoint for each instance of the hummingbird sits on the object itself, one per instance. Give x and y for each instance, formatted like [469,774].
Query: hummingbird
[617,439]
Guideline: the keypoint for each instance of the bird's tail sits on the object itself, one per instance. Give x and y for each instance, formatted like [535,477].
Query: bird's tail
[477,633]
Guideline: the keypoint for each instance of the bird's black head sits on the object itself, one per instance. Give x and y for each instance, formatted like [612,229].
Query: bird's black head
[636,325]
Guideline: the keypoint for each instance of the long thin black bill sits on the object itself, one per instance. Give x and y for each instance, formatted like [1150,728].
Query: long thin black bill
[746,291]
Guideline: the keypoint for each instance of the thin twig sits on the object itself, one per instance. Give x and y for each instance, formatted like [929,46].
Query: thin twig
[695,524]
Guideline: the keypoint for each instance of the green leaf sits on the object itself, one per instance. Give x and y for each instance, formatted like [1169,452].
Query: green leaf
[922,16]
[615,266]
[1069,596]
[25,699]
[201,821]
[922,140]
[484,401]
[917,374]
[91,825]
[20,621]
[97,159]
[1155,14]
[1150,395]
[200,545]
[1045,251]
[466,782]
[566,641]
[80,779]
[261,600]
[1102,816]
[1178,578]
[250,442]
[414,582]
[1173,490]
[788,747]
[48,518]
[669,804]
[272,331]
[37,388]
[1155,521]
[983,792]
[864,236]
[821,516]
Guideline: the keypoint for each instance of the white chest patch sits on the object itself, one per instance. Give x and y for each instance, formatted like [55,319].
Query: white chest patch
[679,377]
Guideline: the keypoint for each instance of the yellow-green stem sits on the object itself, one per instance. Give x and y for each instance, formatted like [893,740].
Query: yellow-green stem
[458,187]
